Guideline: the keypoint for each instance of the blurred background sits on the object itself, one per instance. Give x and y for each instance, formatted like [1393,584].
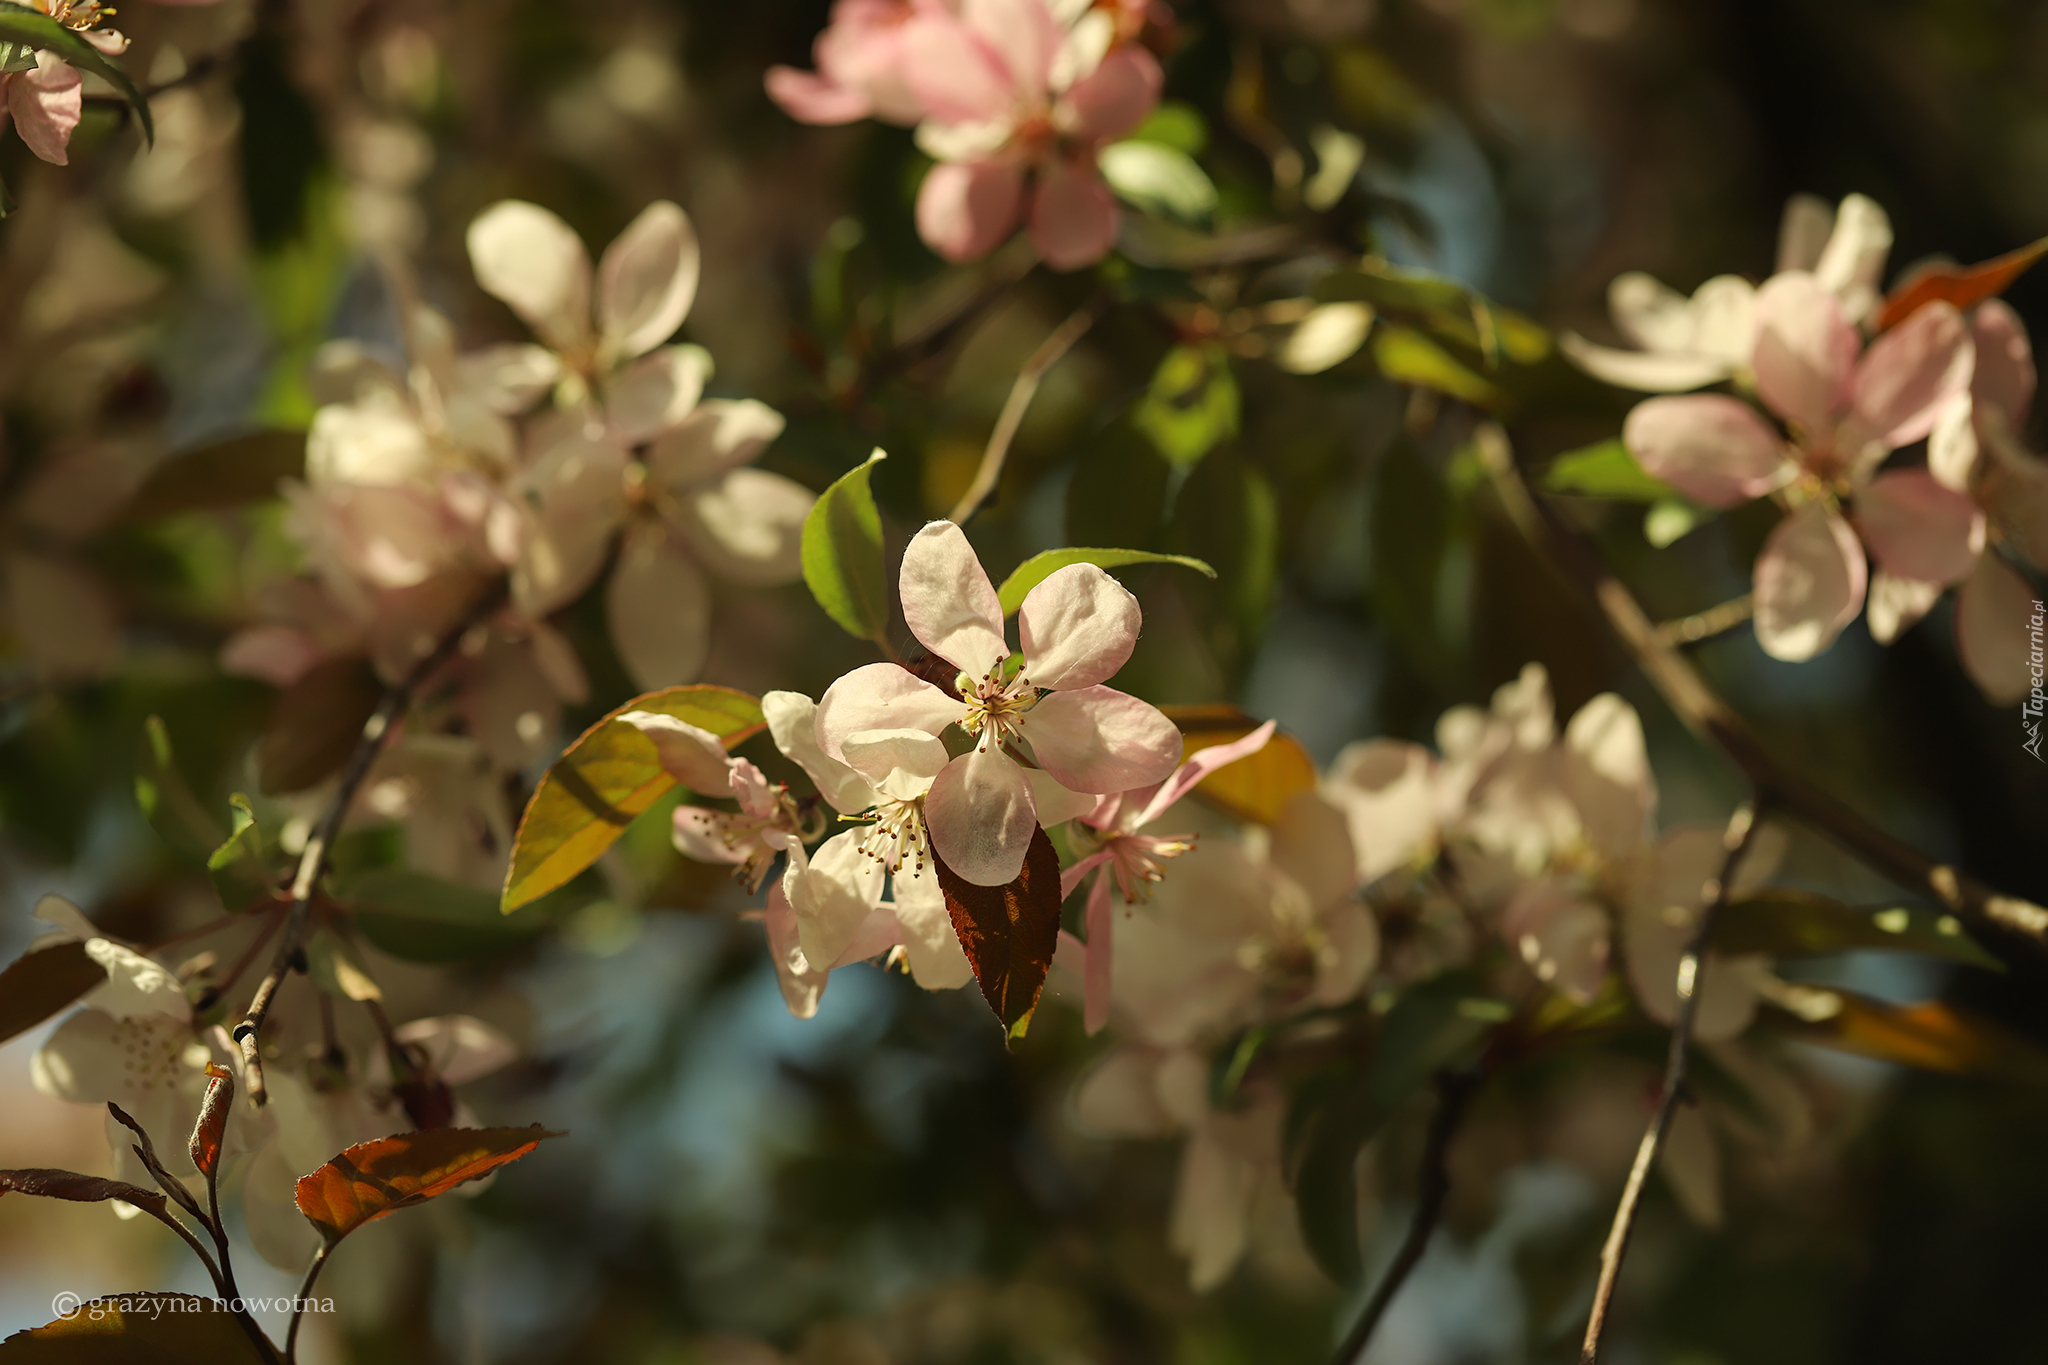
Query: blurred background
[886,1182]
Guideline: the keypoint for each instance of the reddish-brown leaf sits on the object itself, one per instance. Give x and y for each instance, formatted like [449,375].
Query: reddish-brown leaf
[134,1329]
[38,984]
[1961,285]
[213,1118]
[81,1189]
[1010,931]
[372,1179]
[1258,786]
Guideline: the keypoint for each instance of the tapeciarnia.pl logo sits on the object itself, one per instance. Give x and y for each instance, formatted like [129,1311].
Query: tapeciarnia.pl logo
[2037,700]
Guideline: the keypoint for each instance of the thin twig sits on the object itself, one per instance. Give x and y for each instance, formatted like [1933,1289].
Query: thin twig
[313,861]
[1702,625]
[1734,842]
[1043,359]
[1703,711]
[1454,1091]
[291,1333]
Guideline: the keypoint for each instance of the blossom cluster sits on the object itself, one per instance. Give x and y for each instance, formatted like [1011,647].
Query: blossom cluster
[1014,99]
[1825,399]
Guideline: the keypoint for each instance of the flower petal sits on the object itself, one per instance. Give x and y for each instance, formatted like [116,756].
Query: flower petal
[719,435]
[1911,371]
[46,103]
[1805,350]
[967,209]
[809,97]
[881,697]
[1851,265]
[693,756]
[1952,446]
[1055,804]
[1809,583]
[948,602]
[748,527]
[1100,740]
[659,609]
[802,984]
[538,266]
[2004,376]
[1114,98]
[1560,934]
[1995,623]
[1897,603]
[1073,214]
[656,392]
[1714,449]
[1650,312]
[1190,774]
[833,892]
[647,281]
[1608,776]
[930,946]
[1646,371]
[1101,921]
[1724,319]
[1657,927]
[1077,628]
[576,484]
[793,724]
[1386,788]
[980,816]
[898,763]
[956,74]
[1916,528]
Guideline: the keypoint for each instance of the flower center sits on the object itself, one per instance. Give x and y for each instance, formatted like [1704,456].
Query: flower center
[897,836]
[995,709]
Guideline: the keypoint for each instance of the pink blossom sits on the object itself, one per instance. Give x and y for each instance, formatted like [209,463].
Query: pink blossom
[1077,628]
[860,66]
[45,102]
[1016,108]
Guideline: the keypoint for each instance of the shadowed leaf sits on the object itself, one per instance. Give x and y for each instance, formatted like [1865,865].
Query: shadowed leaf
[1961,285]
[1256,787]
[380,1177]
[1010,931]
[38,984]
[230,473]
[46,1183]
[842,555]
[138,1329]
[1787,923]
[608,776]
[318,723]
[1045,564]
[423,918]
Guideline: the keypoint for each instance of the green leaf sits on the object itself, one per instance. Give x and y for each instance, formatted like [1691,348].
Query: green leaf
[1176,124]
[1431,1026]
[1191,405]
[22,25]
[842,555]
[1670,520]
[167,802]
[1783,922]
[130,1329]
[1043,565]
[606,778]
[36,985]
[1226,515]
[231,473]
[423,918]
[241,877]
[337,969]
[1606,470]
[1156,178]
[1406,356]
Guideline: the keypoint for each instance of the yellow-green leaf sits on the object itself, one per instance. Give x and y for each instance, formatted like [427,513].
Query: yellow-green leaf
[606,778]
[842,555]
[1042,566]
[1406,356]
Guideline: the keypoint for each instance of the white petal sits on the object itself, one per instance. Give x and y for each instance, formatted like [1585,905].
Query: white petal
[1952,445]
[1096,739]
[1330,335]
[882,697]
[509,378]
[1312,846]
[459,1048]
[1803,231]
[948,602]
[1386,788]
[1724,319]
[833,893]
[716,436]
[748,526]
[1077,628]
[899,763]
[930,944]
[1116,1098]
[1896,603]
[1561,935]
[694,757]
[538,266]
[1852,263]
[656,392]
[802,984]
[980,817]
[1645,371]
[278,1231]
[647,280]
[578,484]
[1809,583]
[136,987]
[659,609]
[1212,1206]
[1054,803]
[793,723]
[1691,1165]
[1649,312]
[1609,775]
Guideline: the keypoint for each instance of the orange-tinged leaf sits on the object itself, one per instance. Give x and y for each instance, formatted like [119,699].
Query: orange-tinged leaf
[1961,285]
[380,1177]
[1010,931]
[1933,1036]
[38,984]
[1258,786]
[212,1124]
[139,1329]
[606,778]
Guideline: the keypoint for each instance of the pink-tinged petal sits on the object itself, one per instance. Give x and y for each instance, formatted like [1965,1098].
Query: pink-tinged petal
[1077,628]
[279,655]
[1803,231]
[1714,449]
[1205,761]
[1911,371]
[1805,351]
[1210,1223]
[1311,847]
[1022,33]
[877,934]
[810,98]
[954,72]
[659,609]
[2004,376]
[537,265]
[1072,877]
[1115,97]
[793,724]
[1387,790]
[1055,804]
[703,834]
[647,281]
[693,756]
[1645,371]
[1097,739]
[897,763]
[1897,603]
[1101,946]
[931,947]
[802,984]
[1073,214]
[578,480]
[967,209]
[718,435]
[656,392]
[748,527]
[833,893]
[1809,583]
[1915,528]
[1997,632]
[46,103]
[881,697]
[980,817]
[948,602]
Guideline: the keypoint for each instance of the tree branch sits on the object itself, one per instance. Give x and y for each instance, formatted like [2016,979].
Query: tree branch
[291,1334]
[1047,355]
[1454,1090]
[313,861]
[1714,721]
[1735,842]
